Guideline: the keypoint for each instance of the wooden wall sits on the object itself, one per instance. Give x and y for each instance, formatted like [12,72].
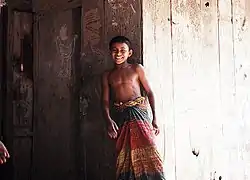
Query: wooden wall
[66,137]
[200,59]
[53,124]
[196,57]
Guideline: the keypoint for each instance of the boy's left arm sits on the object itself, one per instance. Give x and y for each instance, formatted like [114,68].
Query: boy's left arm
[150,94]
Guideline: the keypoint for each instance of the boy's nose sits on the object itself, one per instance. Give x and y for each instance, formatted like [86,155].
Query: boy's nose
[119,53]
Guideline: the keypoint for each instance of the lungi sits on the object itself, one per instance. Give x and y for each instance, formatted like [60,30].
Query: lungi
[137,155]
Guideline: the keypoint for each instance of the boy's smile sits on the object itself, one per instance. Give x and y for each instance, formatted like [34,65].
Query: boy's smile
[120,52]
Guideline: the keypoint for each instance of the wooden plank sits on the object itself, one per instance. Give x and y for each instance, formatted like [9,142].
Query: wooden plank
[196,86]
[157,59]
[55,127]
[227,90]
[77,141]
[93,64]
[210,86]
[186,44]
[239,149]
[181,60]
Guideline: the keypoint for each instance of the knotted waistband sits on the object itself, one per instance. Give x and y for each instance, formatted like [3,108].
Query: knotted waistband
[131,103]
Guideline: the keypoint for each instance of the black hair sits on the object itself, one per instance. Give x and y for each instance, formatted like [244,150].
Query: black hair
[120,39]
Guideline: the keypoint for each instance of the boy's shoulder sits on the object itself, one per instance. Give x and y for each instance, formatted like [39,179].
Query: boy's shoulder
[137,66]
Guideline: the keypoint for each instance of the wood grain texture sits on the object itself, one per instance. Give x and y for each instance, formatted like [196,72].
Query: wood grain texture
[210,85]
[55,124]
[93,64]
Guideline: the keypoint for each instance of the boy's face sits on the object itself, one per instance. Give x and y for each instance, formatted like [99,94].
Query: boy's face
[120,52]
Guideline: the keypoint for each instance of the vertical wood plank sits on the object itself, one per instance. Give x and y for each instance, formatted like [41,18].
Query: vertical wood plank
[93,64]
[186,49]
[239,152]
[55,127]
[196,86]
[157,59]
[227,89]
[211,89]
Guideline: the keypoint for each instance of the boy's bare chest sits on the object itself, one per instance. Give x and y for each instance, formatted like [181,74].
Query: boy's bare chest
[119,77]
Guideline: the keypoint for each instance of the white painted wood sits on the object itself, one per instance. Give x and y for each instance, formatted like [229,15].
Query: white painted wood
[186,49]
[240,136]
[208,75]
[196,86]
[157,60]
[227,89]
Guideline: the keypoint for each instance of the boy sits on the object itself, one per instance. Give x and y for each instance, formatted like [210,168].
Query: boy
[3,153]
[138,157]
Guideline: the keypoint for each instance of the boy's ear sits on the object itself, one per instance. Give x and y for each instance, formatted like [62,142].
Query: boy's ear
[130,52]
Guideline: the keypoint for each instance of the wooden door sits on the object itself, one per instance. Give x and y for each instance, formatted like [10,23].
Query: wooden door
[57,52]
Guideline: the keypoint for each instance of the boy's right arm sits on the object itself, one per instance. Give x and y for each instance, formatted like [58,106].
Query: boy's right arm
[112,127]
[105,97]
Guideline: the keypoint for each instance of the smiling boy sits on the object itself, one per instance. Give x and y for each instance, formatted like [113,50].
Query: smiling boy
[138,157]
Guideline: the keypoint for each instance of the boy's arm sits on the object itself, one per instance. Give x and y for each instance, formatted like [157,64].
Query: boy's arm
[146,86]
[105,97]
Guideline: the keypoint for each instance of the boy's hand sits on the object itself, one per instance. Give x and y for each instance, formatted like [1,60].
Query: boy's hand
[112,129]
[3,153]
[155,127]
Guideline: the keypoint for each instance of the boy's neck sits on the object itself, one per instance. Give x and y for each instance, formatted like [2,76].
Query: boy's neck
[123,65]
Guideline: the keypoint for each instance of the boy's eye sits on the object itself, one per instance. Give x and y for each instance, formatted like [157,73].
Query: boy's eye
[117,51]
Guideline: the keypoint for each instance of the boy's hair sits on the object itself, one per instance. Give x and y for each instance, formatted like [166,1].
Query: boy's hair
[120,39]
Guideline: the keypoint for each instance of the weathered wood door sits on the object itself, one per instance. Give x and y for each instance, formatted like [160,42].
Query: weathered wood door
[41,97]
[57,51]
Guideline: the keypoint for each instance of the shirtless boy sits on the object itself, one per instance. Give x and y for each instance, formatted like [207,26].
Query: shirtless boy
[138,158]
